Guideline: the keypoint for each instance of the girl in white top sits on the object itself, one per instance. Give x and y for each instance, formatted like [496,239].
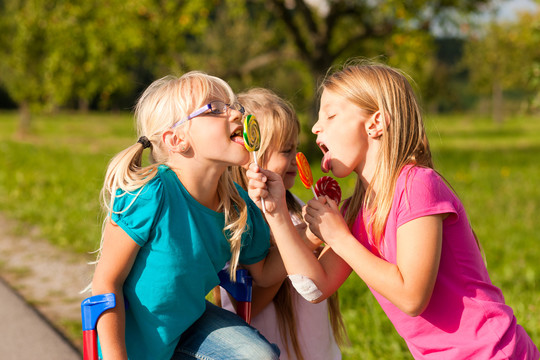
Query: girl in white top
[301,330]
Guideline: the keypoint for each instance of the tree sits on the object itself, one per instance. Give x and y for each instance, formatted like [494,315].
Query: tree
[341,29]
[501,56]
[64,51]
[289,45]
[22,56]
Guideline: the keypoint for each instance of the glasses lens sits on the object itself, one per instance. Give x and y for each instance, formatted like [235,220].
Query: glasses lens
[238,107]
[218,107]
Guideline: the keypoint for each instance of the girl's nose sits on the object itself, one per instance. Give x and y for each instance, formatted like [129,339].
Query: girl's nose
[235,115]
[293,158]
[316,128]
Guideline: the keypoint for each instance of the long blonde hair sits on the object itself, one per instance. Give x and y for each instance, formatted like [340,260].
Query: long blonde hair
[377,87]
[280,127]
[163,104]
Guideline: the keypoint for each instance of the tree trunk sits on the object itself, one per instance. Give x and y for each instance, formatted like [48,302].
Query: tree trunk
[497,102]
[25,119]
[84,106]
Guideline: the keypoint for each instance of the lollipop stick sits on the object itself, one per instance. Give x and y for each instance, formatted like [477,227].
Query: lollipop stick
[314,193]
[256,163]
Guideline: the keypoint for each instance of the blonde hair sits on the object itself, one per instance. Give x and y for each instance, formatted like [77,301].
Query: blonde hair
[377,87]
[163,104]
[280,127]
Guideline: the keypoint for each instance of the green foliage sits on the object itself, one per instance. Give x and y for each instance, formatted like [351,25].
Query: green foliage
[90,50]
[24,50]
[505,55]
[78,52]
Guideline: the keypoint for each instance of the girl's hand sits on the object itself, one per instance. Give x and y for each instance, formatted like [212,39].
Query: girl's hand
[325,220]
[267,185]
[311,240]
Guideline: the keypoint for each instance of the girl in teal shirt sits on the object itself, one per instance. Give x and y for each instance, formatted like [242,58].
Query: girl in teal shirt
[172,225]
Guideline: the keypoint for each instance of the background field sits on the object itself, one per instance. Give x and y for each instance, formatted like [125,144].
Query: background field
[52,179]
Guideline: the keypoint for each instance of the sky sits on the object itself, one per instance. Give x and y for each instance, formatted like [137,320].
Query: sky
[508,11]
[510,8]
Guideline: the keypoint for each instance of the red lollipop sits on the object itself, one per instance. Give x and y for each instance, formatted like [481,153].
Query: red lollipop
[329,187]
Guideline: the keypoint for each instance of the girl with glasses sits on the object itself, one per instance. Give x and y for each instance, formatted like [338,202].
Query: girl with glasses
[403,231]
[172,225]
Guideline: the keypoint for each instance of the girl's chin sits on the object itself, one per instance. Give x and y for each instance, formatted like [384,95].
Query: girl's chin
[288,181]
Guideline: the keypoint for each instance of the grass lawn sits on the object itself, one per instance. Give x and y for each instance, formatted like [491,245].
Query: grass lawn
[52,179]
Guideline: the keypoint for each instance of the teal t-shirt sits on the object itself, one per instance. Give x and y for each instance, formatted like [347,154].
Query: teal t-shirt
[182,250]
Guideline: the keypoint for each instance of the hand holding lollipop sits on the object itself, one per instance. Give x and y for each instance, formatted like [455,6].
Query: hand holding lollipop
[329,187]
[305,172]
[252,140]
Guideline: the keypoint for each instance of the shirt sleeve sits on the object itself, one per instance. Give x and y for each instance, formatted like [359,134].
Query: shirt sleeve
[136,212]
[256,238]
[422,192]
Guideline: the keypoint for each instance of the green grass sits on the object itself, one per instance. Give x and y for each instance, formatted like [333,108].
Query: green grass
[52,180]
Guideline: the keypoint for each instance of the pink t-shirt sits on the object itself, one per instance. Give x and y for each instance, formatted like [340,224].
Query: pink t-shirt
[466,317]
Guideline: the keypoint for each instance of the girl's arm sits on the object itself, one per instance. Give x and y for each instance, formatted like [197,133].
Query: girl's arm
[327,274]
[409,283]
[312,242]
[117,256]
[269,271]
[262,296]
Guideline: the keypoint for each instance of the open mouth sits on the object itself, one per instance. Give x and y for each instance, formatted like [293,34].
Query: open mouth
[238,136]
[326,162]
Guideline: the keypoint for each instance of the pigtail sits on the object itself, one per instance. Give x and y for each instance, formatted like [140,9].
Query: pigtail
[124,173]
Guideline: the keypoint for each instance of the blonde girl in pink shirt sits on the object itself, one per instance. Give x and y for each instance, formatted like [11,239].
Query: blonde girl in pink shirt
[403,231]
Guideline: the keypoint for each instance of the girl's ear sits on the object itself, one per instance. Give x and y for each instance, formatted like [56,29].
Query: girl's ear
[376,125]
[175,140]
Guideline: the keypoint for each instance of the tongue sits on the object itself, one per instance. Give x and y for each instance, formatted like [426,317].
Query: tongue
[238,139]
[326,162]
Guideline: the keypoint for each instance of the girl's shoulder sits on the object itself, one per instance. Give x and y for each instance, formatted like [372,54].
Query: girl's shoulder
[412,175]
[420,189]
[147,193]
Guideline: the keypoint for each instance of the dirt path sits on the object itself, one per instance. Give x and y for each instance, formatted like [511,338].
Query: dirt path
[49,278]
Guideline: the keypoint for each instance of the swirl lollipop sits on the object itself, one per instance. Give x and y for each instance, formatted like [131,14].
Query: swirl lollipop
[329,187]
[252,140]
[305,172]
[252,134]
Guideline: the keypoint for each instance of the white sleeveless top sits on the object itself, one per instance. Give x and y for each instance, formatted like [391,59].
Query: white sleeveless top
[314,332]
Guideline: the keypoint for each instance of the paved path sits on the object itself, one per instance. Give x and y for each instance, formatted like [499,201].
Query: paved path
[25,334]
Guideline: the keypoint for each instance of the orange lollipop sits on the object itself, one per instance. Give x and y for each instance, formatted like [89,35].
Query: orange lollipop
[305,172]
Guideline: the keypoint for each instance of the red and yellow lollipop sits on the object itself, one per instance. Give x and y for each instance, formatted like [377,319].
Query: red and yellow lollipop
[305,172]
